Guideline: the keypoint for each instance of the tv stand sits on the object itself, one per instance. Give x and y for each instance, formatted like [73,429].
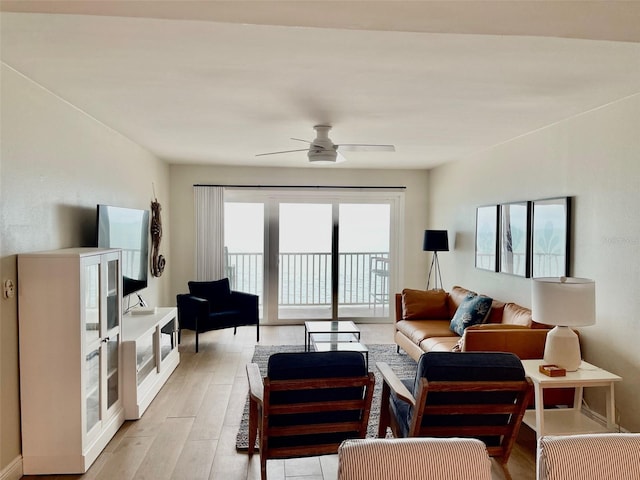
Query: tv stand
[141,301]
[150,355]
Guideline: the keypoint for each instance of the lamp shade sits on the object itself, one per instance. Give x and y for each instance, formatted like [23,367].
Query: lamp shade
[564,301]
[435,241]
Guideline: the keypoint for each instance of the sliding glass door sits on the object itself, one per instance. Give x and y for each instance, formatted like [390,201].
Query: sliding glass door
[305,263]
[321,255]
[244,247]
[364,260]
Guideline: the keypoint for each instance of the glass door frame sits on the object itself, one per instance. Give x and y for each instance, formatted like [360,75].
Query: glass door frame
[271,199]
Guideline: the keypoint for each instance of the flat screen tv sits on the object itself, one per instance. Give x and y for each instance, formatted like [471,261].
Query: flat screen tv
[127,229]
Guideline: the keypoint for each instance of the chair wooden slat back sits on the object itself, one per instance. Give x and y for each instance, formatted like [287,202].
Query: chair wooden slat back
[298,417]
[467,395]
[518,393]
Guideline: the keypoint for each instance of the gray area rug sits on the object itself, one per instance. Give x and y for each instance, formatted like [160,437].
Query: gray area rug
[401,363]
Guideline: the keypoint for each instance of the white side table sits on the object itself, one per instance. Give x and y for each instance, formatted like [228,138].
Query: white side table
[564,421]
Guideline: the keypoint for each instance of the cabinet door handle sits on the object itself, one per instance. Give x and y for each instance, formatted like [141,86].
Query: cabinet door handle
[105,340]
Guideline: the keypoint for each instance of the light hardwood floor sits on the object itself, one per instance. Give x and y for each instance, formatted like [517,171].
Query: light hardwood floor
[189,430]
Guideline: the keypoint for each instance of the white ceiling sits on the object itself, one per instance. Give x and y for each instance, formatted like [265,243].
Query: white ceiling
[215,82]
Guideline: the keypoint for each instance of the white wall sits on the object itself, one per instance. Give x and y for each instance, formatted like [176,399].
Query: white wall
[184,177]
[57,163]
[594,158]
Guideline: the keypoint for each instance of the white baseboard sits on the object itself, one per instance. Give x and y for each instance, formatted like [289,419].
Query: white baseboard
[13,471]
[601,419]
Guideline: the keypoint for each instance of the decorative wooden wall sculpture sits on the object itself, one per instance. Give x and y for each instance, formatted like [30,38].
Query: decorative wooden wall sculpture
[157,261]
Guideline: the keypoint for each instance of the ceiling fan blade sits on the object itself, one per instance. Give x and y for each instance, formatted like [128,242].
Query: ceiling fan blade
[284,151]
[312,146]
[363,147]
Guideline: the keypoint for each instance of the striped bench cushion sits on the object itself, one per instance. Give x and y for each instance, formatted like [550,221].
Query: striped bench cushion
[605,456]
[414,458]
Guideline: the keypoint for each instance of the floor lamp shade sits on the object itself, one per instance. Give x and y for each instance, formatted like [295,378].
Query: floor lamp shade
[564,302]
[435,241]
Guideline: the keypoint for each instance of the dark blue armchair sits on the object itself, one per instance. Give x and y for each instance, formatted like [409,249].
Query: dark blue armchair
[214,306]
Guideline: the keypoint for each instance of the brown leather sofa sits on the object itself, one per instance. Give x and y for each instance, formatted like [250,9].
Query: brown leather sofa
[423,321]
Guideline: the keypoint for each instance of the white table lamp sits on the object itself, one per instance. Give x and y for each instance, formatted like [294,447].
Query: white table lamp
[564,302]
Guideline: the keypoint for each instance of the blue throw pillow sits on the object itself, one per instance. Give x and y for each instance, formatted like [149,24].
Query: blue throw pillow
[473,310]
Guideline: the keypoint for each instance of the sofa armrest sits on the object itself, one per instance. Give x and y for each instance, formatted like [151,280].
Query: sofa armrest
[526,343]
[398,307]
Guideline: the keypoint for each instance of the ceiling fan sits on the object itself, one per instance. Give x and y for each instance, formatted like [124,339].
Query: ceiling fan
[323,150]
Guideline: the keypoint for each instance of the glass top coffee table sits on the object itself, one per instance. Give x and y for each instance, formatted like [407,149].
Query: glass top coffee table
[334,336]
[330,331]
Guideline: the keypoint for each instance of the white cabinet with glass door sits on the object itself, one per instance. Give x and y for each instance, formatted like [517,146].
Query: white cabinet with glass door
[70,304]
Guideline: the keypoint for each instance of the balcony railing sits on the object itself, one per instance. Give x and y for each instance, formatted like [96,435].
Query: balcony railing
[305,278]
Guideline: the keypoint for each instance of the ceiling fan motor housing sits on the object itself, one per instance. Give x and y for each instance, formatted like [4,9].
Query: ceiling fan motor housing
[322,156]
[322,149]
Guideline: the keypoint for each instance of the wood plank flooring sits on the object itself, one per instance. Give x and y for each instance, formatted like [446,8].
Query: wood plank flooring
[189,430]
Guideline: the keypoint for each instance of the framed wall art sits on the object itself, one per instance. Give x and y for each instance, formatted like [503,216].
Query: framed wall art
[550,235]
[487,238]
[514,240]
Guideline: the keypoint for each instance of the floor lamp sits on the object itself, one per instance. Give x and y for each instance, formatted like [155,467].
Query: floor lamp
[435,241]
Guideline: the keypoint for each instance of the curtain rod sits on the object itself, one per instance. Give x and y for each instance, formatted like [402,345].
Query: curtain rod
[380,187]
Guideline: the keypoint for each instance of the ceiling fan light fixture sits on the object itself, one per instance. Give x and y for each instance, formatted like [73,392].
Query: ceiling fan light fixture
[324,157]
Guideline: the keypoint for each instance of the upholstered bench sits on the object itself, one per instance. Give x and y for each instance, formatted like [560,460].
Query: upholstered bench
[602,456]
[414,458]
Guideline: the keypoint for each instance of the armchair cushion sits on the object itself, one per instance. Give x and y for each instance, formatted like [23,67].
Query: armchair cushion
[472,311]
[290,366]
[217,292]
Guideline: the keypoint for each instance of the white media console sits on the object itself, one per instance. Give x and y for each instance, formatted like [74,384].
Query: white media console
[150,354]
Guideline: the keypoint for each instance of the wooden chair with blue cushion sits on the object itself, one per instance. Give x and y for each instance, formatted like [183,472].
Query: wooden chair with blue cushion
[214,306]
[479,395]
[308,404]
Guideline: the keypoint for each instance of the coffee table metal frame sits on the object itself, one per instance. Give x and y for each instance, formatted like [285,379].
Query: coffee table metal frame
[334,336]
[341,331]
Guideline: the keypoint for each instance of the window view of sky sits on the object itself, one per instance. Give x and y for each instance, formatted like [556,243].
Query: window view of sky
[307,227]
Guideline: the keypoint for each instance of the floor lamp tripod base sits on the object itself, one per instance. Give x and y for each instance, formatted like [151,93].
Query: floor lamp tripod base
[435,269]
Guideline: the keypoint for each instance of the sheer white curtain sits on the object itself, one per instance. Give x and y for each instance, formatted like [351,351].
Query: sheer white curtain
[209,209]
